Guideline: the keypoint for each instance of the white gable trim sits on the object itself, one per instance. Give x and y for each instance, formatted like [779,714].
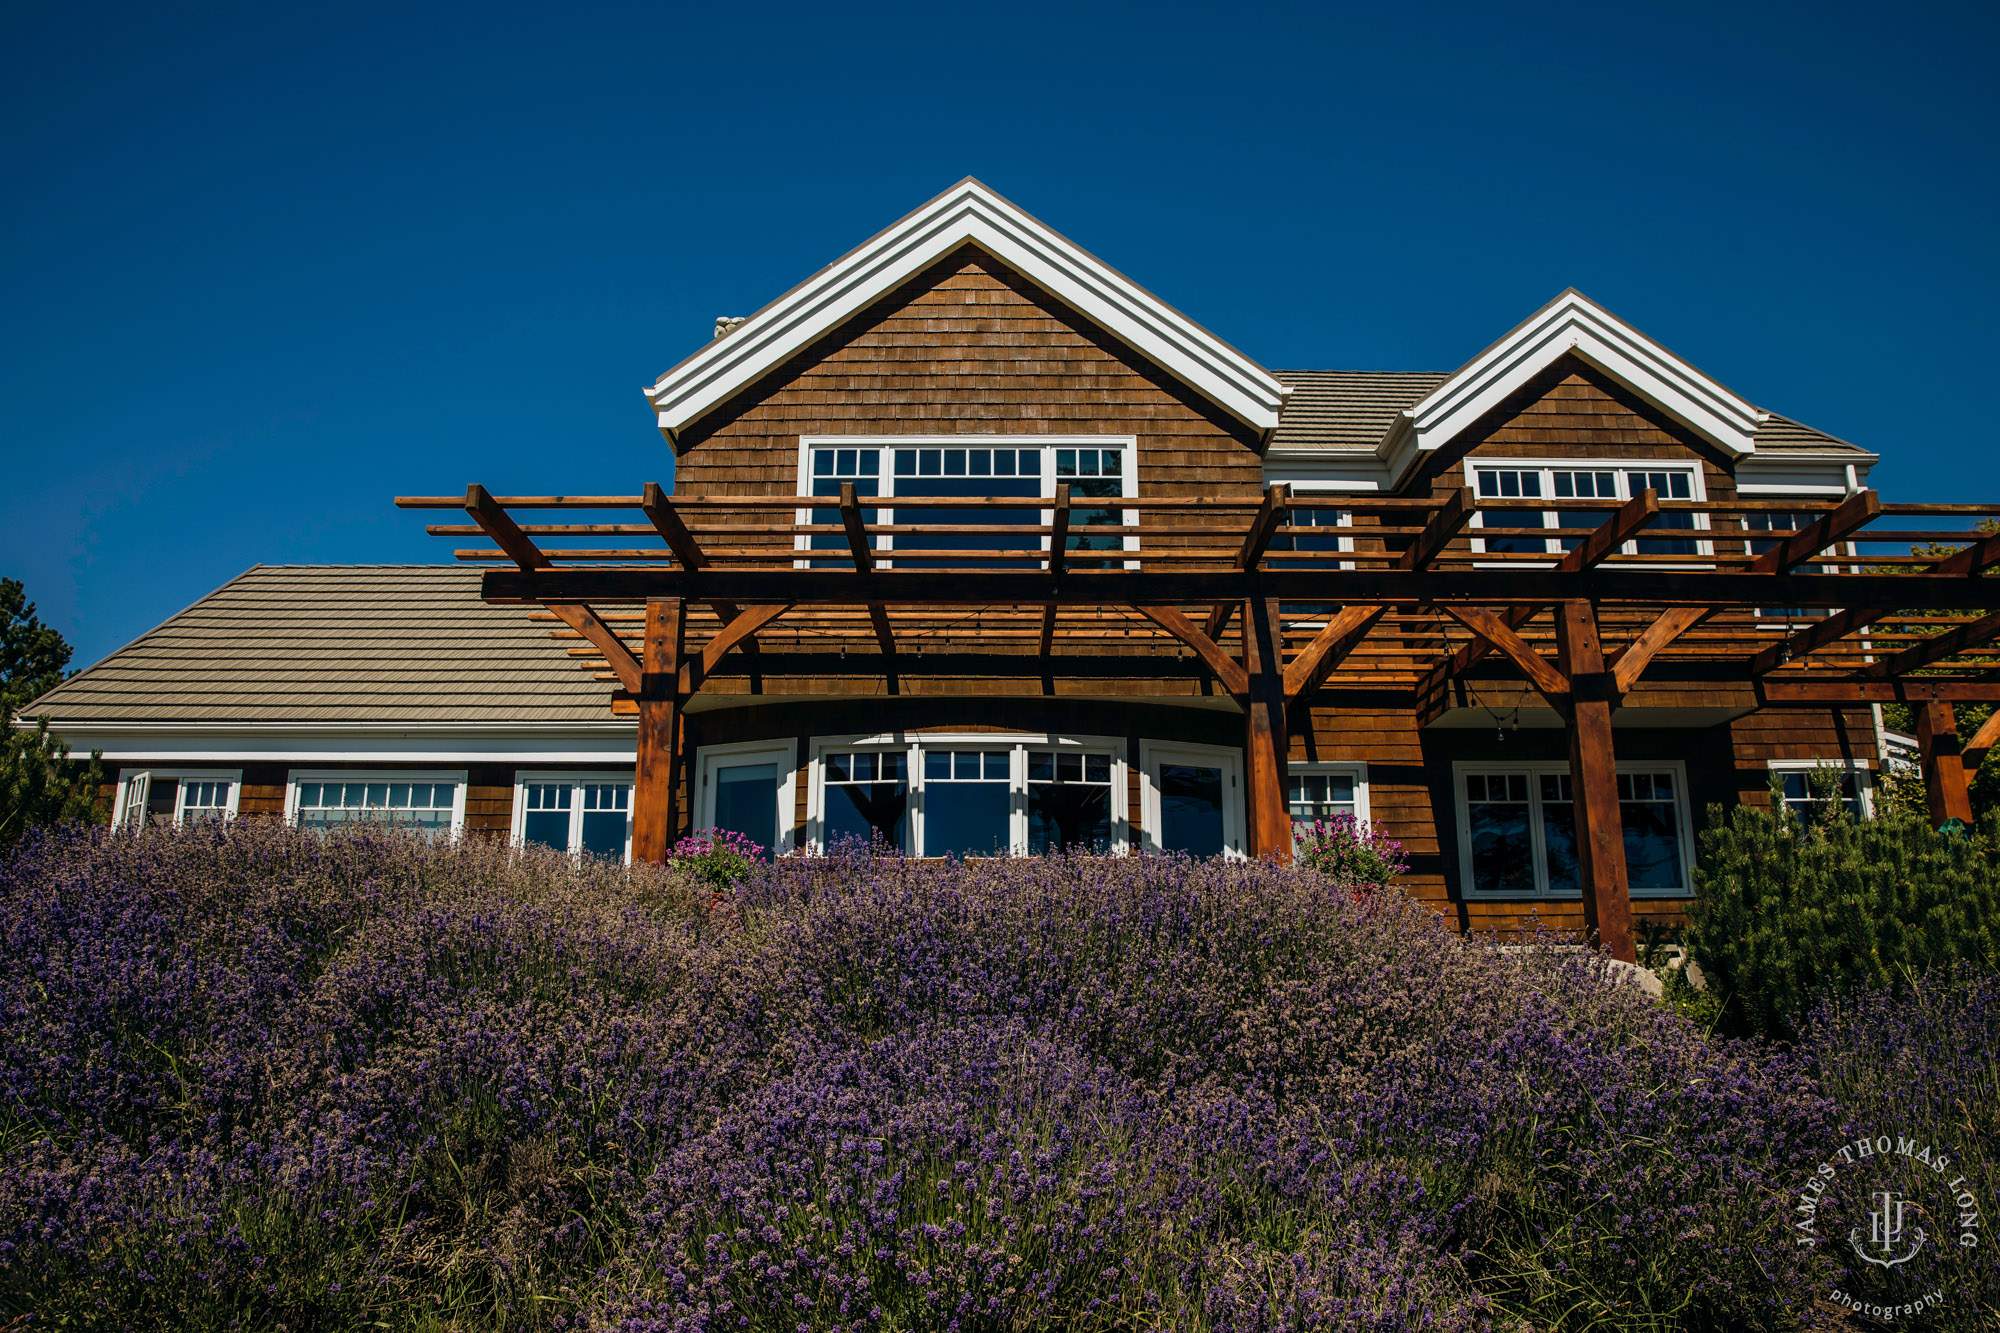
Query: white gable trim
[1572,323]
[969,212]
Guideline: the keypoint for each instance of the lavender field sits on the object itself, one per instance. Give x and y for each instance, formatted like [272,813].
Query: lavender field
[260,1079]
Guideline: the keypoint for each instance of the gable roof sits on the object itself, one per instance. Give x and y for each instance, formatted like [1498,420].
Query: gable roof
[968,213]
[336,644]
[1574,325]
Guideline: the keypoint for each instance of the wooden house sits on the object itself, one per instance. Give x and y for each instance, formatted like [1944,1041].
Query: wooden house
[976,546]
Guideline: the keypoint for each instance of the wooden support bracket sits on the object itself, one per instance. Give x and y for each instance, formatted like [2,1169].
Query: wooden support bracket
[1340,636]
[1226,668]
[1982,741]
[1553,684]
[499,525]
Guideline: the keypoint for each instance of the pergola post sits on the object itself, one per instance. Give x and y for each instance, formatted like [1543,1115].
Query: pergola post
[1265,736]
[1593,774]
[1945,789]
[656,778]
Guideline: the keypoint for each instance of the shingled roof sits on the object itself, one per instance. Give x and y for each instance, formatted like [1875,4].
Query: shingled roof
[337,644]
[1352,410]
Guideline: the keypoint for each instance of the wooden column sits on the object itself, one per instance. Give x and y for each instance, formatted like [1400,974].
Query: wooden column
[1944,769]
[656,779]
[1265,736]
[1600,834]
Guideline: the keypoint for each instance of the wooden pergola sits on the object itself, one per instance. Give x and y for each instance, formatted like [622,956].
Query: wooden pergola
[665,594]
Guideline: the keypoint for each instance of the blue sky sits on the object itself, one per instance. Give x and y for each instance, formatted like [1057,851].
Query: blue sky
[264,266]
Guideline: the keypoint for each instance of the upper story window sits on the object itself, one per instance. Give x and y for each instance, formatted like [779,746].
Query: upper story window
[978,467]
[1557,482]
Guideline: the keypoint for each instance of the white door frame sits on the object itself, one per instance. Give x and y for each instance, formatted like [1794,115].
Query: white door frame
[1153,753]
[785,754]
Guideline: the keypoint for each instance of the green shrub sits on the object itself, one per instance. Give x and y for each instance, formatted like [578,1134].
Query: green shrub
[1790,910]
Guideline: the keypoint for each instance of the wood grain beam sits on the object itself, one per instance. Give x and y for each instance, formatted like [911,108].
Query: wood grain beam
[1218,619]
[1599,546]
[1965,562]
[1496,631]
[1934,649]
[1443,525]
[1264,525]
[738,631]
[1059,530]
[667,522]
[1600,834]
[1227,669]
[1048,639]
[497,524]
[1908,690]
[857,531]
[1854,512]
[1266,735]
[1340,636]
[1631,661]
[656,774]
[1982,740]
[1945,790]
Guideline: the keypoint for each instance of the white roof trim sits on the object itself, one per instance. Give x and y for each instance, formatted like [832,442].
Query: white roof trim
[969,212]
[1572,323]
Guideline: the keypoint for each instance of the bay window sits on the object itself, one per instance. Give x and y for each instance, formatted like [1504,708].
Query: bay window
[970,795]
[1518,836]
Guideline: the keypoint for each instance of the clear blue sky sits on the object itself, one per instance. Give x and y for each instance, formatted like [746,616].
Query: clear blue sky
[264,266]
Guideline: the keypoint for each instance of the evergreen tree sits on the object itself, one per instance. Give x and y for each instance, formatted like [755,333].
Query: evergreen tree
[1789,909]
[39,782]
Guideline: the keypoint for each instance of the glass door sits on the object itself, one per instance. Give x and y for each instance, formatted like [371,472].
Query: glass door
[747,789]
[1193,799]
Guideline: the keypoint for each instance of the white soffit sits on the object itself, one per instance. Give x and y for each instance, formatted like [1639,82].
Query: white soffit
[969,212]
[1572,323]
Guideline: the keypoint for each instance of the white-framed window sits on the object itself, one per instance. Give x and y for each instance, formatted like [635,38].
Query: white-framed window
[176,796]
[431,801]
[1517,829]
[1856,784]
[1785,524]
[1316,791]
[969,794]
[750,789]
[584,813]
[1096,468]
[1191,799]
[1558,480]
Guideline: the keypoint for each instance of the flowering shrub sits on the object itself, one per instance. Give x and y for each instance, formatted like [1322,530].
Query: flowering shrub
[1349,850]
[250,1077]
[716,859]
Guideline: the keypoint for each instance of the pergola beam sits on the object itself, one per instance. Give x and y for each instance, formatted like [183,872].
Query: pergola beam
[1443,525]
[1264,525]
[1530,588]
[1059,529]
[500,527]
[656,774]
[1340,636]
[1553,684]
[1227,669]
[1934,649]
[1592,551]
